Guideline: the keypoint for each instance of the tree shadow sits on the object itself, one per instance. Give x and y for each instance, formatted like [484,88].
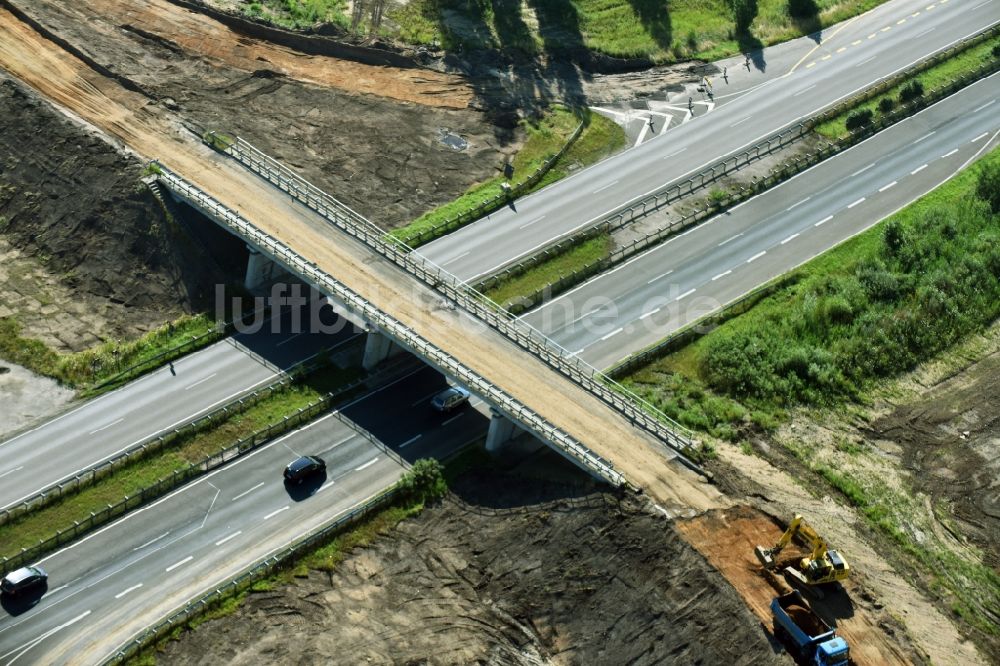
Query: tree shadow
[805,16]
[753,48]
[515,38]
[562,39]
[655,18]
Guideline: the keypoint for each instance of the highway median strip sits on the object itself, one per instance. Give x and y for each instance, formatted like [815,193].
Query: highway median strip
[29,536]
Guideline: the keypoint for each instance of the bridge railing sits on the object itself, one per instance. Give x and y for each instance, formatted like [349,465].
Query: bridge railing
[401,334]
[637,410]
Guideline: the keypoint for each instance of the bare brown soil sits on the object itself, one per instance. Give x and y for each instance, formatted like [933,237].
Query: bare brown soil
[727,539]
[87,253]
[506,571]
[949,441]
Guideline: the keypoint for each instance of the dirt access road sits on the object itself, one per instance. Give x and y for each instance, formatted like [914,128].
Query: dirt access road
[508,570]
[150,131]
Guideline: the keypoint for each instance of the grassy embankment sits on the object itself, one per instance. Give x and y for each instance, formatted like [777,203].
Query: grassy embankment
[659,31]
[955,67]
[103,362]
[128,480]
[860,315]
[545,137]
[297,14]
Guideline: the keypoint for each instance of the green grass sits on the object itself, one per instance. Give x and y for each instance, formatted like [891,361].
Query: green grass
[579,256]
[102,362]
[650,29]
[545,138]
[42,524]
[298,14]
[967,61]
[870,309]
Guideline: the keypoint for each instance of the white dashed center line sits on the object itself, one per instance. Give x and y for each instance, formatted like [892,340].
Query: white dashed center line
[127,590]
[537,219]
[824,220]
[794,205]
[722,275]
[604,187]
[107,426]
[852,205]
[202,381]
[275,513]
[452,419]
[865,61]
[650,313]
[950,152]
[741,121]
[612,333]
[247,492]
[981,136]
[11,471]
[660,277]
[686,294]
[862,170]
[925,136]
[980,108]
[918,169]
[804,90]
[366,465]
[182,562]
[792,237]
[729,239]
[674,154]
[409,441]
[757,256]
[886,186]
[231,536]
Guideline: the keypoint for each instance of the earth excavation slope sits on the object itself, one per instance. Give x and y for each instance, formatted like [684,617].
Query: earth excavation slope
[149,131]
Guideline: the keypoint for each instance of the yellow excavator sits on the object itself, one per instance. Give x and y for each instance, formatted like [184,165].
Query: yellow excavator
[824,565]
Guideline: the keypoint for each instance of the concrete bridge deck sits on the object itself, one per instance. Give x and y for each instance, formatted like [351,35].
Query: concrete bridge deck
[152,133]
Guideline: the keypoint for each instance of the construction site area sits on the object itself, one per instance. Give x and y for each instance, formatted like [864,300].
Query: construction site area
[526,559]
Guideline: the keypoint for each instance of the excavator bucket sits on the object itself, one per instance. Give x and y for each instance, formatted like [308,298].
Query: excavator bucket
[764,556]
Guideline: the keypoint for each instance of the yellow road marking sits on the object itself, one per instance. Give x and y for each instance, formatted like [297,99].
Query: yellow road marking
[855,42]
[813,49]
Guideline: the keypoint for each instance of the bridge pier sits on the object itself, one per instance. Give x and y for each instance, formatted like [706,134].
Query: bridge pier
[501,431]
[260,270]
[378,347]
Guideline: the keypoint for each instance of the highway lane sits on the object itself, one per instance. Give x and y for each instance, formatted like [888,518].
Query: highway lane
[852,56]
[106,587]
[187,388]
[714,263]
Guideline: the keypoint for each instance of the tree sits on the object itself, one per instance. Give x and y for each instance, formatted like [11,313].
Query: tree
[988,185]
[858,119]
[744,12]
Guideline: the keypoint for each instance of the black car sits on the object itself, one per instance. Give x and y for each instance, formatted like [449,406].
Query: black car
[22,579]
[299,470]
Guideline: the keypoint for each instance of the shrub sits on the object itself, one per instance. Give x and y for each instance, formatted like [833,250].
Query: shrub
[802,9]
[996,51]
[911,91]
[858,119]
[988,185]
[886,105]
[424,481]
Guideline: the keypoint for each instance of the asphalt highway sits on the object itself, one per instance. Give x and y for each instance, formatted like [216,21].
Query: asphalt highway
[852,56]
[177,394]
[107,587]
[696,272]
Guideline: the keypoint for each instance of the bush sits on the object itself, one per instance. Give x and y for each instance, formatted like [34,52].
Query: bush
[886,105]
[424,481]
[911,91]
[988,185]
[802,9]
[996,51]
[858,119]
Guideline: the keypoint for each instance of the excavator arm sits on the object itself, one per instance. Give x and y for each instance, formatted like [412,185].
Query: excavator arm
[767,555]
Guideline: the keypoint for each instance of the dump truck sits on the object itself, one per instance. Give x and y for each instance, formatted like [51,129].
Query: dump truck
[809,638]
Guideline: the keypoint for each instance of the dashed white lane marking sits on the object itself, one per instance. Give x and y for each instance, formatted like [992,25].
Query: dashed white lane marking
[451,261]
[410,441]
[865,61]
[604,187]
[674,154]
[127,590]
[824,220]
[918,169]
[862,170]
[729,239]
[202,381]
[275,513]
[722,275]
[231,536]
[799,203]
[685,294]
[184,561]
[921,34]
[826,57]
[151,541]
[852,205]
[804,90]
[790,238]
[612,333]
[452,419]
[950,152]
[23,648]
[901,21]
[980,108]
[247,492]
[650,313]
[11,471]
[660,277]
[366,465]
[886,186]
[757,256]
[925,136]
[871,36]
[537,219]
[981,136]
[985,2]
[886,28]
[741,121]
[855,42]
[107,426]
